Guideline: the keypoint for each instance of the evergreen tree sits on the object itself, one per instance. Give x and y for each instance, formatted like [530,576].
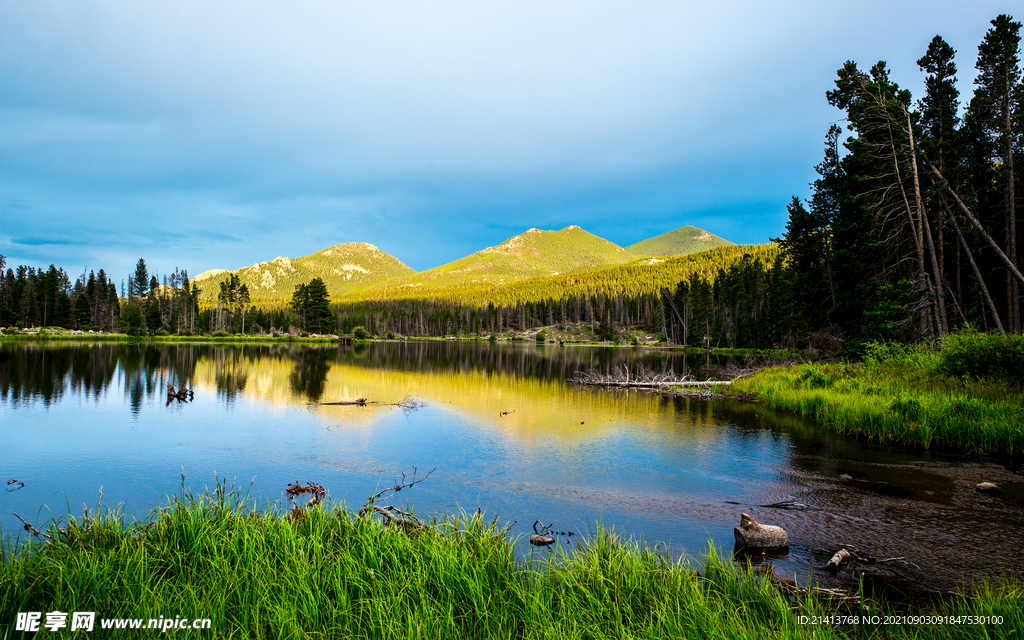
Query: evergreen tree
[995,125]
[140,281]
[319,317]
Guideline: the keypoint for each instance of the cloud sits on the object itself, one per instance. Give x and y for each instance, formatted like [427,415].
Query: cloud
[221,134]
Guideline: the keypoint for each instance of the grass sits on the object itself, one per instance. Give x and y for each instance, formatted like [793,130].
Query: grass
[913,396]
[329,573]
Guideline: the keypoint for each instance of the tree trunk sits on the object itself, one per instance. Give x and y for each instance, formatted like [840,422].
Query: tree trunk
[925,231]
[1010,266]
[977,273]
[1013,304]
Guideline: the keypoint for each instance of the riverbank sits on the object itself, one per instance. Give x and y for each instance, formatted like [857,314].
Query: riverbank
[329,573]
[60,335]
[965,396]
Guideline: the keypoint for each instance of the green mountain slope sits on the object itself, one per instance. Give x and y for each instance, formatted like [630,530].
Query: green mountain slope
[682,241]
[532,254]
[344,268]
[644,276]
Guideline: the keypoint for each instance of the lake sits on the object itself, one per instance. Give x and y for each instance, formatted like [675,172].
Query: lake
[506,433]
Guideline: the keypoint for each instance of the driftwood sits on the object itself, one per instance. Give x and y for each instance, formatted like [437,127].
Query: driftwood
[360,402]
[407,403]
[391,514]
[316,493]
[181,395]
[643,378]
[752,533]
[29,527]
[837,559]
[546,536]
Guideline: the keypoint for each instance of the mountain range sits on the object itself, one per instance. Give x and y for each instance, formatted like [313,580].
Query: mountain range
[356,267]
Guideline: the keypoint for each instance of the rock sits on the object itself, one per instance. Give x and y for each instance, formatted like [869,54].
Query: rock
[751,533]
[987,487]
[845,476]
[541,540]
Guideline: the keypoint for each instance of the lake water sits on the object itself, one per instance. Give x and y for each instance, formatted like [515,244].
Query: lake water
[78,420]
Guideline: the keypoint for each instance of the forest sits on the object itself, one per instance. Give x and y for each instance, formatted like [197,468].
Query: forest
[910,233]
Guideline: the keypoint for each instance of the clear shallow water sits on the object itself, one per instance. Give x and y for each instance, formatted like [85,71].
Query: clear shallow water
[78,419]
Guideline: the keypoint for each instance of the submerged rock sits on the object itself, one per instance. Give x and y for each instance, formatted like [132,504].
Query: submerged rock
[987,487]
[845,476]
[751,533]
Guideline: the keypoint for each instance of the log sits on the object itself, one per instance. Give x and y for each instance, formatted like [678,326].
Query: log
[751,533]
[837,559]
[361,402]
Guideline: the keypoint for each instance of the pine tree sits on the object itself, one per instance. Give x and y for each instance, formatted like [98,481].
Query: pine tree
[993,113]
[139,285]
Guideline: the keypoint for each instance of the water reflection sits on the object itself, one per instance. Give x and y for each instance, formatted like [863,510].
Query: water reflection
[505,430]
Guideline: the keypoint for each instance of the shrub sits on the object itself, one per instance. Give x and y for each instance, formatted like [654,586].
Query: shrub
[971,354]
[219,334]
[391,335]
[161,332]
[814,378]
[303,334]
[360,333]
[541,336]
[882,352]
[492,338]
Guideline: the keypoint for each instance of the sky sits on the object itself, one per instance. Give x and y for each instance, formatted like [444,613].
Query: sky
[201,135]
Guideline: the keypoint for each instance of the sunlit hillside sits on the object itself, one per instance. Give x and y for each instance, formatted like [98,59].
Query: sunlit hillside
[534,253]
[644,276]
[679,242]
[344,268]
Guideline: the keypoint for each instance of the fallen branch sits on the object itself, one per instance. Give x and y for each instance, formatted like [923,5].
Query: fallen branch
[359,402]
[29,527]
[644,378]
[316,491]
[390,513]
[398,486]
[837,559]
[407,403]
[393,514]
[546,536]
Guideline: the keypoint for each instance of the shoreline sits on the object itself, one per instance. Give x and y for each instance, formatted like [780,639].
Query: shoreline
[323,569]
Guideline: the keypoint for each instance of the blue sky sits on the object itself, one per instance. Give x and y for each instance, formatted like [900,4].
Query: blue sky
[207,135]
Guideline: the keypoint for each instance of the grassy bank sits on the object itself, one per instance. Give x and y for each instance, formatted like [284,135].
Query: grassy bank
[332,574]
[966,395]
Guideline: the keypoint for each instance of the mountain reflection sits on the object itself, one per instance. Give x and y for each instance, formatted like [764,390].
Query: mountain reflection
[42,372]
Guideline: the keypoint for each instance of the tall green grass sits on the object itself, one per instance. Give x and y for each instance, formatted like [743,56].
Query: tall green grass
[331,574]
[961,396]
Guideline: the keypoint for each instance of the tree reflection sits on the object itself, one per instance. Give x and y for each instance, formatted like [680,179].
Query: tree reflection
[309,376]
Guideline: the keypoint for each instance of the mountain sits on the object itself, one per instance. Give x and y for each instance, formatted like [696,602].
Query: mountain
[344,268]
[682,241]
[641,276]
[531,254]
